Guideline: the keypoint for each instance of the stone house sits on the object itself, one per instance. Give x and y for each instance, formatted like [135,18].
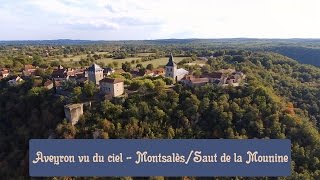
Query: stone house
[4,73]
[112,86]
[15,80]
[48,84]
[29,70]
[60,72]
[226,77]
[146,72]
[217,78]
[158,72]
[58,84]
[235,79]
[108,71]
[191,80]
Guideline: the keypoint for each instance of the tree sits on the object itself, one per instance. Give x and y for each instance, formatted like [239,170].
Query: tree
[69,84]
[110,65]
[135,84]
[96,56]
[36,91]
[77,91]
[101,64]
[89,89]
[66,131]
[170,133]
[54,63]
[139,66]
[37,60]
[126,66]
[168,80]
[115,64]
[126,75]
[197,73]
[111,111]
[150,67]
[149,84]
[159,85]
[119,55]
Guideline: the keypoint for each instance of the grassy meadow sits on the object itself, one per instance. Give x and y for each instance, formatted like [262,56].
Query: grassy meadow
[156,62]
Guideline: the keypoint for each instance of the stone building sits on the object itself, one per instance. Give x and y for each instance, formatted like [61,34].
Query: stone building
[15,80]
[112,86]
[191,80]
[4,73]
[173,71]
[48,84]
[95,73]
[29,70]
[73,112]
[226,77]
[59,72]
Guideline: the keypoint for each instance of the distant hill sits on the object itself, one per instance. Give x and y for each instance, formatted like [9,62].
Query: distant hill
[302,54]
[49,42]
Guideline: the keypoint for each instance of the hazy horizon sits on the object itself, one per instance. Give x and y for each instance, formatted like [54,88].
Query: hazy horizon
[244,38]
[162,19]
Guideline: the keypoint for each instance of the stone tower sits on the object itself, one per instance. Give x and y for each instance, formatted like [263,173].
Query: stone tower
[171,68]
[73,112]
[95,73]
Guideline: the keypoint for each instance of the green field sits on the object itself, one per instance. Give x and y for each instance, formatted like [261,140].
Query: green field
[156,62]
[78,57]
[74,58]
[144,54]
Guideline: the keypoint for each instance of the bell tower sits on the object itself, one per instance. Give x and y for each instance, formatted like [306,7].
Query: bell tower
[171,68]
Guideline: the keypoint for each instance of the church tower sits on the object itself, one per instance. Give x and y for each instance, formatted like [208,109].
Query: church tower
[171,68]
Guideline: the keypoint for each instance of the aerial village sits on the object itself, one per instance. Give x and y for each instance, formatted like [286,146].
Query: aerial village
[110,87]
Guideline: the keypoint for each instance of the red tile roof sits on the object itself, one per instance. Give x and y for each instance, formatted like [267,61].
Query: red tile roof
[112,80]
[29,67]
[216,75]
[47,83]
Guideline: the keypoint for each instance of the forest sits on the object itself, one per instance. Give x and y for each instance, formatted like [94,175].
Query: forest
[280,99]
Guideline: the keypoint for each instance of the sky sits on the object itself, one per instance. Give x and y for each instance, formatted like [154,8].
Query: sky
[158,19]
